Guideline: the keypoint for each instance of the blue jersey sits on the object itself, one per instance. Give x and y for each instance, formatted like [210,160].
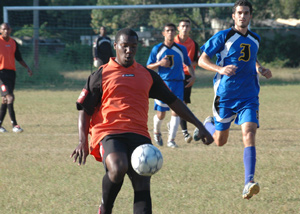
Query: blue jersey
[233,48]
[177,55]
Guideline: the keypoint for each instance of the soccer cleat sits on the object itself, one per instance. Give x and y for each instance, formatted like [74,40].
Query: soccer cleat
[17,129]
[187,137]
[158,139]
[250,189]
[209,119]
[172,144]
[2,129]
[196,133]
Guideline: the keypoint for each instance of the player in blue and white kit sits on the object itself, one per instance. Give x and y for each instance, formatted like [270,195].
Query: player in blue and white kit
[168,58]
[236,86]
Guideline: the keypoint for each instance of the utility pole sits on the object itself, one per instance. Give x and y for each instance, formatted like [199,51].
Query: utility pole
[36,35]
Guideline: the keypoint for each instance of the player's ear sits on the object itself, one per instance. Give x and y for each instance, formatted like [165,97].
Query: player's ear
[115,45]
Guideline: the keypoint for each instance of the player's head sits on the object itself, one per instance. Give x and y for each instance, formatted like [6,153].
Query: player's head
[242,14]
[102,31]
[5,30]
[184,27]
[126,43]
[169,31]
[242,3]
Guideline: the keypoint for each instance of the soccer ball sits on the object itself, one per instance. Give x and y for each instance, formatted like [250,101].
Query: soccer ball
[146,160]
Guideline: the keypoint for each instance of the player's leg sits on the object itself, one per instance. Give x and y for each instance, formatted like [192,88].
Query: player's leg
[173,128]
[248,119]
[116,163]
[187,99]
[158,118]
[3,113]
[177,87]
[4,92]
[141,184]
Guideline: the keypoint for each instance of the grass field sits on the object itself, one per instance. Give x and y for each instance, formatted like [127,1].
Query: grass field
[38,177]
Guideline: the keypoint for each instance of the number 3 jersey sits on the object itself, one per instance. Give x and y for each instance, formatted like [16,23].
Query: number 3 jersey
[233,48]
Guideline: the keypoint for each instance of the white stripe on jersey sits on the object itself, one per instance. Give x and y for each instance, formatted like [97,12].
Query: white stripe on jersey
[158,55]
[176,49]
[254,40]
[160,103]
[228,45]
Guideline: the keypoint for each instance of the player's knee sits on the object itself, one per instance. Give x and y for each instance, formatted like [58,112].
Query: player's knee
[117,173]
[9,99]
[220,141]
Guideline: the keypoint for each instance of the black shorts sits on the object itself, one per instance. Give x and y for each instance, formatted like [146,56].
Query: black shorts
[7,82]
[125,143]
[187,91]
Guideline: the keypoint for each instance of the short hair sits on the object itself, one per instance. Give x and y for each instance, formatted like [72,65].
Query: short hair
[184,20]
[169,25]
[242,3]
[126,31]
[5,23]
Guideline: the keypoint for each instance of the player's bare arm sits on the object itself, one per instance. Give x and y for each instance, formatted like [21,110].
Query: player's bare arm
[164,62]
[82,150]
[23,63]
[184,112]
[263,71]
[192,79]
[206,63]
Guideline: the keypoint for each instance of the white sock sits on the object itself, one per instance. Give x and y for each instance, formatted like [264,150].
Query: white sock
[174,124]
[157,124]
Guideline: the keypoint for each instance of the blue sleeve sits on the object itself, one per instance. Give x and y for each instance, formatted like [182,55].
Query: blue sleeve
[215,44]
[187,60]
[152,57]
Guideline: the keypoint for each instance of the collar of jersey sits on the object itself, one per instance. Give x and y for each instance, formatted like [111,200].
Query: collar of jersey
[113,63]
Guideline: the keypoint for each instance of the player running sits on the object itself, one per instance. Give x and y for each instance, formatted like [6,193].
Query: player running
[236,86]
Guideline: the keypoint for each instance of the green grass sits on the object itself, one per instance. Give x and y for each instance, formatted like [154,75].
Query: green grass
[37,176]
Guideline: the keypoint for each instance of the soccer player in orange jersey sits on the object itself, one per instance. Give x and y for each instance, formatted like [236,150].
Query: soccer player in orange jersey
[113,107]
[183,38]
[9,51]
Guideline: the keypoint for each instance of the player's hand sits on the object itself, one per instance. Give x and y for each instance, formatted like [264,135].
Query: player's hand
[204,135]
[165,62]
[190,81]
[265,72]
[29,72]
[228,70]
[81,152]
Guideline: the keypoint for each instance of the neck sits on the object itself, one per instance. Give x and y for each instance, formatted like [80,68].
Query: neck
[183,38]
[241,29]
[168,43]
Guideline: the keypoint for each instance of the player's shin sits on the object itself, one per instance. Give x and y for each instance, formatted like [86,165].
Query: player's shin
[110,191]
[142,202]
[249,163]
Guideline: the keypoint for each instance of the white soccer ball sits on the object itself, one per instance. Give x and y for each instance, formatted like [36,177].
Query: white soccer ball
[146,160]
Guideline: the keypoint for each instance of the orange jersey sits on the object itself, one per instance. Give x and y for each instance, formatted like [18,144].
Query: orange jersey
[8,52]
[118,100]
[193,51]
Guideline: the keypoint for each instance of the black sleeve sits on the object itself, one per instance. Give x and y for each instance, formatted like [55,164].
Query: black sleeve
[160,90]
[18,55]
[91,95]
[196,56]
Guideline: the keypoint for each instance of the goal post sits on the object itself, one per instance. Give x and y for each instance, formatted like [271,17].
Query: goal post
[66,32]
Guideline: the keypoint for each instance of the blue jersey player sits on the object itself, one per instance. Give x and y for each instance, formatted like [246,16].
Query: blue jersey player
[168,59]
[236,86]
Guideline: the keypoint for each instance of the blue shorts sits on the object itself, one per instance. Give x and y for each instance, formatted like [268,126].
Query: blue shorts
[239,111]
[177,87]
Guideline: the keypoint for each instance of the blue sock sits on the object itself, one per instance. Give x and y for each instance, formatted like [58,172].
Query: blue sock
[249,163]
[210,127]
